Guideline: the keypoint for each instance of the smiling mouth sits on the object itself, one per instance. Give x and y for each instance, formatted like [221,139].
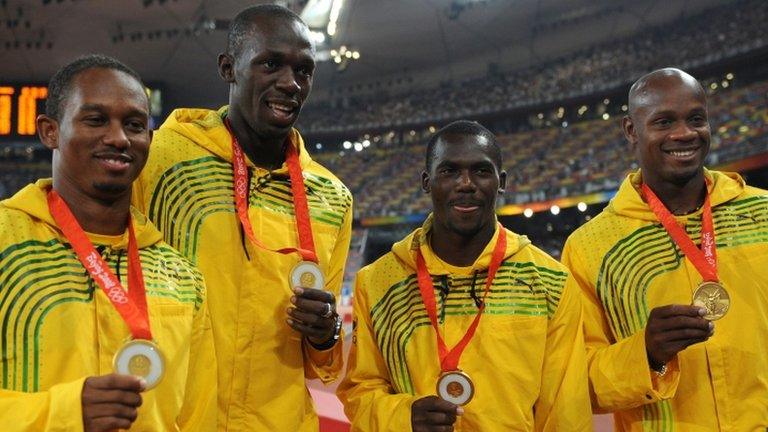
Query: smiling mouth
[115,162]
[682,153]
[465,208]
[282,110]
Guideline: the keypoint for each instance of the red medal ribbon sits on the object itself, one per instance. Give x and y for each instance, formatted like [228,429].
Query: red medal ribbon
[301,208]
[133,306]
[704,259]
[449,360]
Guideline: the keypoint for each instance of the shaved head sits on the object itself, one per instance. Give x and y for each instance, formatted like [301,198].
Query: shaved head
[644,91]
[668,128]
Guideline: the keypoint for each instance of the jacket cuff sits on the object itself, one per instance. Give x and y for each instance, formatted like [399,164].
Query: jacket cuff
[323,364]
[66,411]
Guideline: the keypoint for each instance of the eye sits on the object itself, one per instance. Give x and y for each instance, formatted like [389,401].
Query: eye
[698,120]
[271,64]
[306,72]
[662,122]
[136,126]
[94,120]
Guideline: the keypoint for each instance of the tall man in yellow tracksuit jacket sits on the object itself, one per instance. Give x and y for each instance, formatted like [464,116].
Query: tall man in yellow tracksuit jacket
[654,360]
[527,356]
[60,332]
[187,190]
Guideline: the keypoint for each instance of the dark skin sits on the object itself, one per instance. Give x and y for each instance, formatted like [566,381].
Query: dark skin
[111,402]
[432,414]
[463,181]
[100,145]
[269,80]
[669,132]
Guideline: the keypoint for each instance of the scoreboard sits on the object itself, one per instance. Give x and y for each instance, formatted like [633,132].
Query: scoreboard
[20,105]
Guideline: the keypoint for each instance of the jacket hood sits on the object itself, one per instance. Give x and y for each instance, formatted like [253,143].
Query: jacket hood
[206,128]
[33,201]
[723,187]
[405,249]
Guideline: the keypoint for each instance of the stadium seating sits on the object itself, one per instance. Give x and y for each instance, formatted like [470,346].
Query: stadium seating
[548,163]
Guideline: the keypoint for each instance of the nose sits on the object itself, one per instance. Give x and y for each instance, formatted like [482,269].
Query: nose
[465,182]
[287,81]
[115,136]
[684,132]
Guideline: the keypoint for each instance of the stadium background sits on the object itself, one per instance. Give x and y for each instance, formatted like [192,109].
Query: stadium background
[549,77]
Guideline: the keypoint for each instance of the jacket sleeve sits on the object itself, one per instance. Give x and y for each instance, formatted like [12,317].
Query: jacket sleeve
[199,409]
[370,401]
[59,409]
[563,403]
[326,365]
[619,375]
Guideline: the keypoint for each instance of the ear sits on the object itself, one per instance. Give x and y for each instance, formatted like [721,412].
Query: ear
[48,131]
[425,182]
[226,67]
[502,181]
[630,133]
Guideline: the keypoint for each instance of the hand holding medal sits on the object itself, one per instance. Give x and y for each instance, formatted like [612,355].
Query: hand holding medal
[314,311]
[672,328]
[710,294]
[140,356]
[431,412]
[453,385]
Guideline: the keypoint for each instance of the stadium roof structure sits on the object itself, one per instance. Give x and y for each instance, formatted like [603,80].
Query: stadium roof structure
[175,42]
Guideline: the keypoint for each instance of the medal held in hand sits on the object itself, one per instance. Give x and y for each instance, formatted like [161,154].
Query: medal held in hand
[306,273]
[713,297]
[454,385]
[710,294]
[140,356]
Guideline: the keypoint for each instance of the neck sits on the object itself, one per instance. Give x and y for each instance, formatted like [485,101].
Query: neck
[459,250]
[682,198]
[106,217]
[267,153]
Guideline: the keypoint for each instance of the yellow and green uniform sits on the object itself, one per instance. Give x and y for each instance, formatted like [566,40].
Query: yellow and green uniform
[527,358]
[627,264]
[186,189]
[59,328]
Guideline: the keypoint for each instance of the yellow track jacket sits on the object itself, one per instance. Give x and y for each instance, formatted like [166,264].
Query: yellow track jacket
[527,359]
[627,264]
[186,189]
[59,328]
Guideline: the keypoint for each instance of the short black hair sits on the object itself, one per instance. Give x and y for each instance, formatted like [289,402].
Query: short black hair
[246,18]
[463,127]
[60,83]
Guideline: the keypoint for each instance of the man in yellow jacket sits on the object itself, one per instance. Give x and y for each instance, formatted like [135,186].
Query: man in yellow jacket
[62,336]
[659,358]
[221,187]
[524,365]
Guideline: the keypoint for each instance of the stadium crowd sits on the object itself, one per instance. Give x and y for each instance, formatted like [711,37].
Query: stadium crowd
[701,39]
[549,163]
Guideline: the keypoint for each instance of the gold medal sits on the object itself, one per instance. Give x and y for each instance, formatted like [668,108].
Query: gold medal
[141,358]
[455,387]
[307,274]
[713,297]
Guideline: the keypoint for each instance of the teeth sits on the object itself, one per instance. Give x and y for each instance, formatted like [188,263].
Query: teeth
[280,107]
[682,153]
